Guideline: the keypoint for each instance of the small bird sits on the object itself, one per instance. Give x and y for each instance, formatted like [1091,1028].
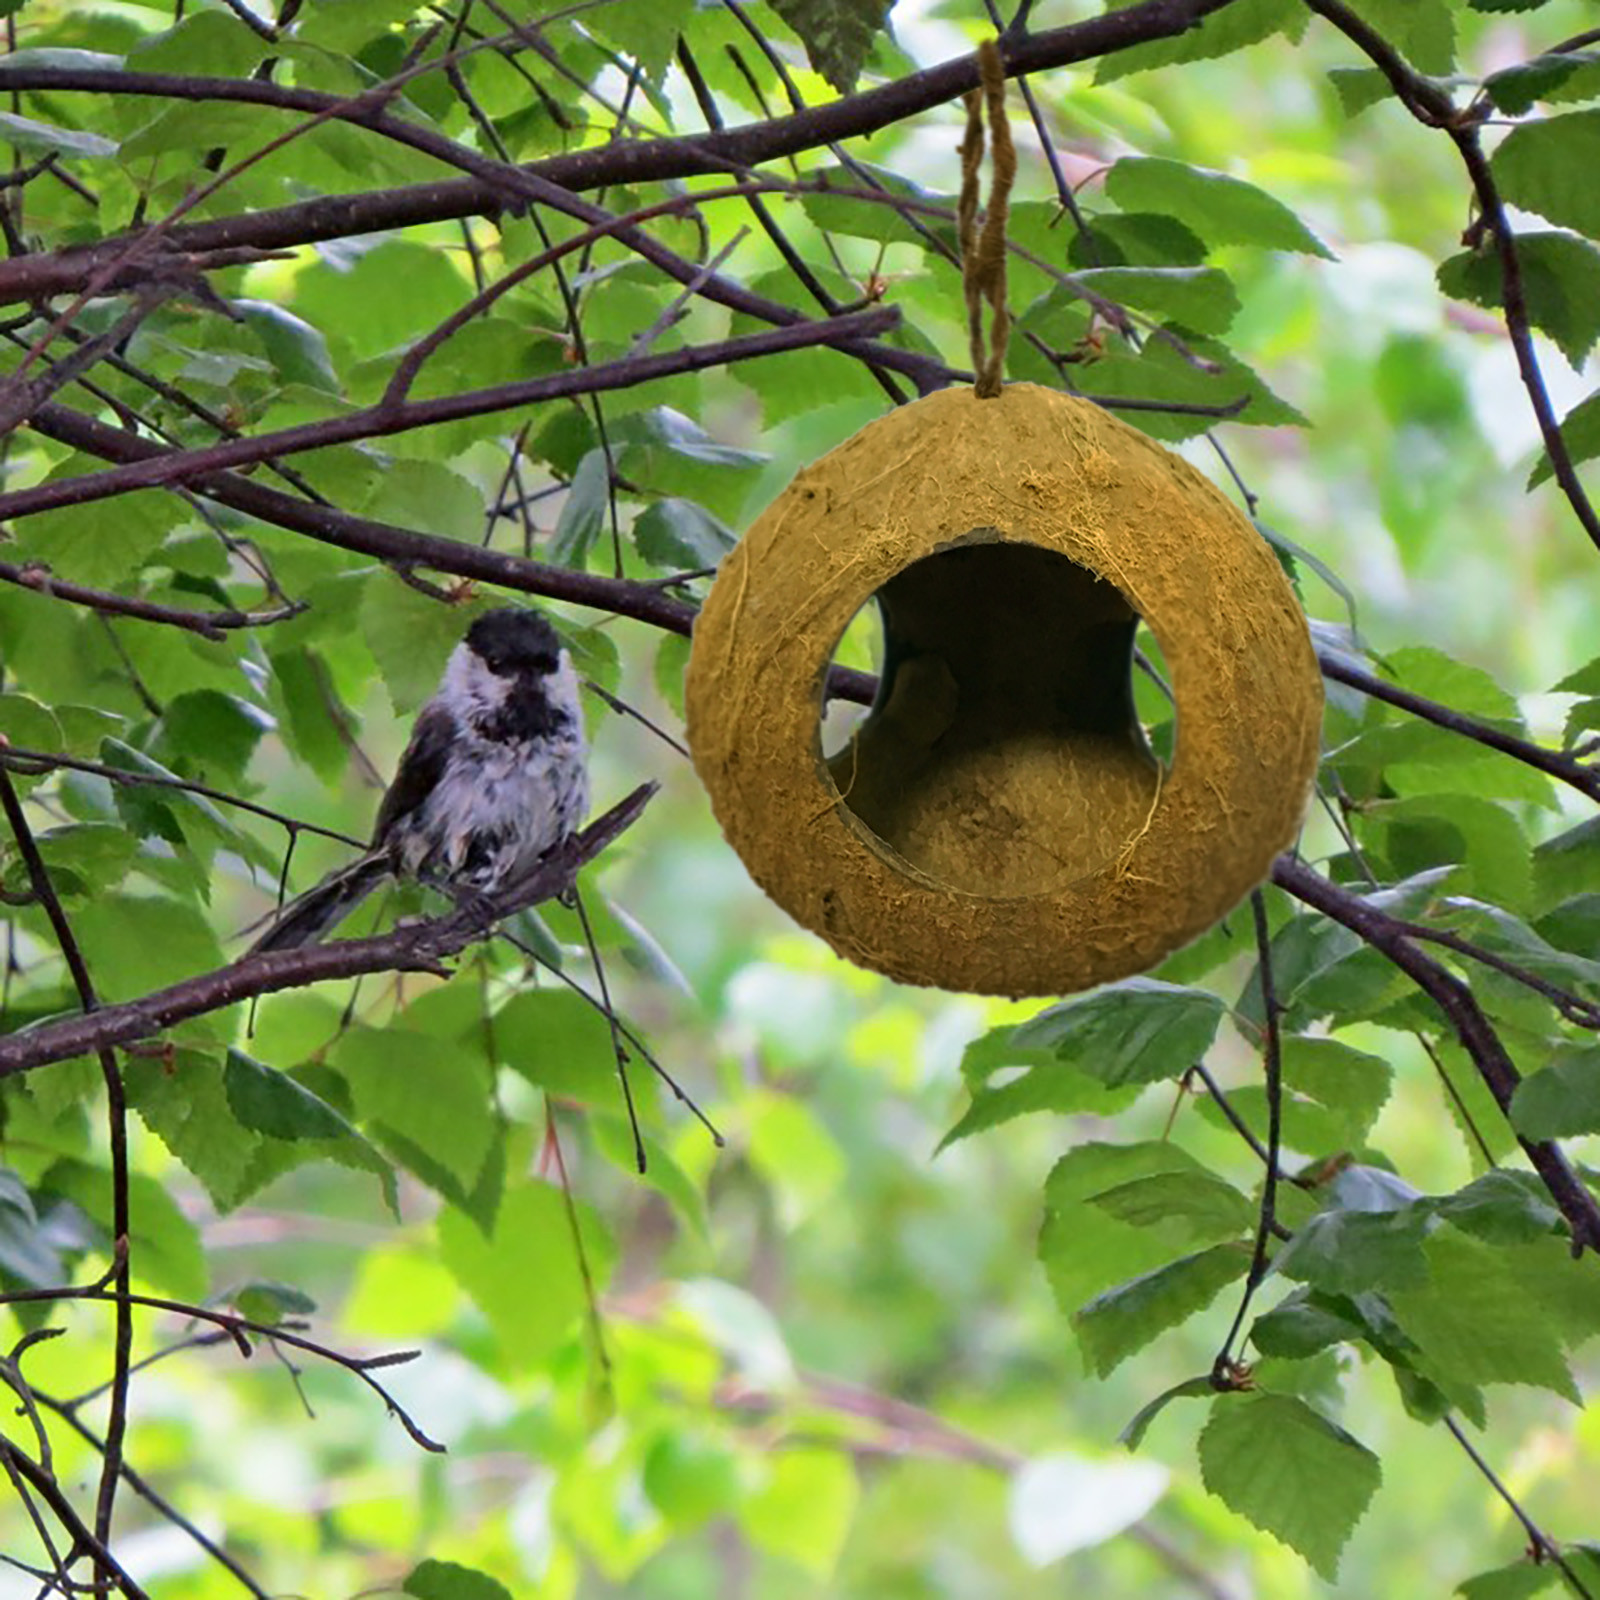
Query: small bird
[494,777]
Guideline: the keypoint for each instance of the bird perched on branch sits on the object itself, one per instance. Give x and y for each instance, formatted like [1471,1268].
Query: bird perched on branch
[496,774]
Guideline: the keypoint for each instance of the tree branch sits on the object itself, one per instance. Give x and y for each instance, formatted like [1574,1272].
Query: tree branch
[191,467]
[412,947]
[1434,108]
[619,162]
[1467,1021]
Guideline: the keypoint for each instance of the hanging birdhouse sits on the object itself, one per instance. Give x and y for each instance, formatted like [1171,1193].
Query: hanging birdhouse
[998,822]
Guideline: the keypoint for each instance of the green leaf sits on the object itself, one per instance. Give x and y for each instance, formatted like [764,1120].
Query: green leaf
[164,1249]
[1560,282]
[424,494]
[879,220]
[1137,1031]
[447,1580]
[268,1101]
[648,33]
[1300,1325]
[527,1277]
[1480,1320]
[1113,1325]
[434,1097]
[28,1255]
[1422,831]
[1359,87]
[1085,1249]
[1205,1208]
[1422,30]
[680,536]
[89,546]
[1548,167]
[1518,1581]
[583,511]
[295,348]
[1289,1471]
[1235,26]
[1201,298]
[1560,1100]
[1221,209]
[134,944]
[1580,429]
[43,138]
[837,34]
[310,708]
[1350,1252]
[804,1509]
[410,636]
[270,1303]
[1046,1084]
[1190,1389]
[1567,75]
[28,723]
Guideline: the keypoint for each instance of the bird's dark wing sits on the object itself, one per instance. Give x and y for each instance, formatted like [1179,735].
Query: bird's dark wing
[421,767]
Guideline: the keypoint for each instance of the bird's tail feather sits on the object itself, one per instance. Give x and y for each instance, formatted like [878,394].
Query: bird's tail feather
[305,920]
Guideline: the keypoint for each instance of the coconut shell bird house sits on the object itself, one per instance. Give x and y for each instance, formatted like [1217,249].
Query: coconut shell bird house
[998,822]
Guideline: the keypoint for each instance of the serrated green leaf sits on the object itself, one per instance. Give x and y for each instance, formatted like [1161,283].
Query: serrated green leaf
[410,636]
[1359,87]
[1204,1207]
[1137,1031]
[680,536]
[837,34]
[880,220]
[86,545]
[1560,282]
[427,495]
[1547,166]
[1201,298]
[1560,1100]
[1086,1250]
[268,1101]
[1567,75]
[1423,831]
[1422,30]
[1289,1471]
[1476,1320]
[1301,1324]
[1580,429]
[1350,1252]
[648,33]
[1221,209]
[1114,1325]
[1245,22]
[28,1255]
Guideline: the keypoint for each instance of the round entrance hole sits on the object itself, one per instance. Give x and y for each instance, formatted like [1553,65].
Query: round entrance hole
[1004,754]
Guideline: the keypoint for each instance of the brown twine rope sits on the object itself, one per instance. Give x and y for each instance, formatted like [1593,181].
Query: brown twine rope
[983,256]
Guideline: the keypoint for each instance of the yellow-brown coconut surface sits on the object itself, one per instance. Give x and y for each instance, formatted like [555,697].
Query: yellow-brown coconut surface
[998,824]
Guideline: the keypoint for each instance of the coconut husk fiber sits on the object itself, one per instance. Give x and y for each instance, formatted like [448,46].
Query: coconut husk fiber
[998,823]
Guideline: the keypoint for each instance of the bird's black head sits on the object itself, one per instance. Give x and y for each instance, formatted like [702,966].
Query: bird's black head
[513,642]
